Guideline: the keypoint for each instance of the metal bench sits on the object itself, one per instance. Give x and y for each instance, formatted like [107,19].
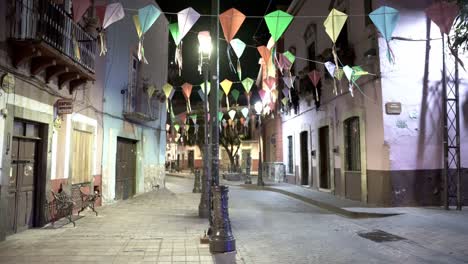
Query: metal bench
[88,201]
[61,207]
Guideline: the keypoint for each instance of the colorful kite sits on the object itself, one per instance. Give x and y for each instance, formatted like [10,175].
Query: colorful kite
[167,89]
[186,19]
[245,112]
[289,81]
[247,83]
[114,13]
[235,94]
[79,8]
[270,82]
[226,85]
[187,91]
[238,46]
[385,19]
[353,74]
[443,14]
[265,53]
[146,18]
[333,26]
[231,21]
[314,76]
[174,29]
[277,23]
[232,114]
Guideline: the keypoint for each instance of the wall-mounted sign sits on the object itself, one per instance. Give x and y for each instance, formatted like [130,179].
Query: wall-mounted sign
[393,108]
[64,106]
[8,82]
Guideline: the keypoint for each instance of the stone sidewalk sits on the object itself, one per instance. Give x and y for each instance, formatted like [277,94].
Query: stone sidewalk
[157,227]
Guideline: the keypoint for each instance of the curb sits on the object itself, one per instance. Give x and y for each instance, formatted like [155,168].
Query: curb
[326,206]
[190,176]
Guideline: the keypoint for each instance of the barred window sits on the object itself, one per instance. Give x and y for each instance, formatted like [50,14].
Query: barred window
[352,144]
[290,155]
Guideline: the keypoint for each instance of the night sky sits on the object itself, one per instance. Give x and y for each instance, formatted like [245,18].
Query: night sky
[253,32]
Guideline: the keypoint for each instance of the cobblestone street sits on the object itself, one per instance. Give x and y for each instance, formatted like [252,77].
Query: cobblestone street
[163,227]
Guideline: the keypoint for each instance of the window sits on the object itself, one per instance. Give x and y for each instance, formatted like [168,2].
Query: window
[352,144]
[132,84]
[290,155]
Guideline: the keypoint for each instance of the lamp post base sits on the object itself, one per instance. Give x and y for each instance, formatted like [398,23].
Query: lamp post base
[221,239]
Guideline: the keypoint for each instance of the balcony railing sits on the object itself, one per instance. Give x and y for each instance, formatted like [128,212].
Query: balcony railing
[42,20]
[138,107]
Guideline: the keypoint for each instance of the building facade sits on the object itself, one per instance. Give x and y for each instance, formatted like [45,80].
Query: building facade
[354,146]
[51,137]
[134,119]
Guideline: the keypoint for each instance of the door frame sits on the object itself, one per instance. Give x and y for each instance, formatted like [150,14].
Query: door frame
[362,133]
[135,184]
[323,122]
[306,154]
[43,168]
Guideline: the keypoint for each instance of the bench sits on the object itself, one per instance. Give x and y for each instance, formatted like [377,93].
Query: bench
[61,207]
[88,201]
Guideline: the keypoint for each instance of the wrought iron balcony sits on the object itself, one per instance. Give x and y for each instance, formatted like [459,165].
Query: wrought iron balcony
[44,34]
[138,107]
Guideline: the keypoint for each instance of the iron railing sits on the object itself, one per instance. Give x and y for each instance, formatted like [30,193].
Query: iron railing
[138,102]
[42,20]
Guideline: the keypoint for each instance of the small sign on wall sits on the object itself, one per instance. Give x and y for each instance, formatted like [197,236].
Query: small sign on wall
[64,106]
[393,108]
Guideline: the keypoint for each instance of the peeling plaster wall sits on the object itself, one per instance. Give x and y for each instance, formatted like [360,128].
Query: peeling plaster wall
[415,137]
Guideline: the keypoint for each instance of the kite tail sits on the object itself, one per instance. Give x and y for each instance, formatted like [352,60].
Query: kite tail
[239,69]
[102,42]
[390,54]
[178,57]
[317,95]
[335,89]
[335,57]
[227,102]
[172,111]
[351,89]
[167,106]
[362,92]
[231,65]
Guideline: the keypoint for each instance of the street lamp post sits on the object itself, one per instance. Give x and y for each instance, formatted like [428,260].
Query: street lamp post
[204,39]
[258,109]
[221,238]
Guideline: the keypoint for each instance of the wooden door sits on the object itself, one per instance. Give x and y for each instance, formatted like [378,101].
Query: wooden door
[22,176]
[324,156]
[304,159]
[125,177]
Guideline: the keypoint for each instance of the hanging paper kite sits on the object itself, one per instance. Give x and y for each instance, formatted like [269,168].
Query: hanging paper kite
[314,76]
[231,21]
[285,92]
[274,96]
[174,29]
[265,53]
[167,89]
[235,94]
[285,101]
[443,14]
[79,8]
[353,74]
[270,82]
[146,16]
[247,83]
[245,112]
[238,46]
[220,116]
[385,19]
[289,81]
[186,19]
[333,26]
[114,13]
[277,23]
[226,85]
[232,114]
[100,13]
[203,87]
[262,94]
[187,90]
[331,68]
